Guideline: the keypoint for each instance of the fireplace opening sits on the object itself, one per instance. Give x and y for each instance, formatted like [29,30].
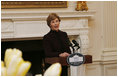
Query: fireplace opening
[32,51]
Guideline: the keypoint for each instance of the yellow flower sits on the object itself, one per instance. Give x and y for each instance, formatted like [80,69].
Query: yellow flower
[3,69]
[15,65]
[53,70]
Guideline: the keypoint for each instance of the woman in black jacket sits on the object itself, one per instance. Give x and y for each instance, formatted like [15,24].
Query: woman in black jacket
[55,43]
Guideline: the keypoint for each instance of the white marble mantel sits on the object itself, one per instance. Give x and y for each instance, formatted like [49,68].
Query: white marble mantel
[16,23]
[32,25]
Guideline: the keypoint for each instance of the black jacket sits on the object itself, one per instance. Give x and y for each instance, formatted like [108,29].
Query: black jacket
[55,43]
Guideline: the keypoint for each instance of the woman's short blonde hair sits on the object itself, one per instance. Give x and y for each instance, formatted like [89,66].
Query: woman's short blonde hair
[51,17]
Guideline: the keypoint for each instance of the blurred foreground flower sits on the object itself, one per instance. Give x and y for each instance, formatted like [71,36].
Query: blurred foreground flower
[53,70]
[13,64]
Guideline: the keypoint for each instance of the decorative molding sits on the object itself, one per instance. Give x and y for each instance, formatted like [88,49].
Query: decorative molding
[20,20]
[110,24]
[33,4]
[7,26]
[109,50]
[6,35]
[36,16]
[102,62]
[90,12]
[7,29]
[101,68]
[110,70]
[93,70]
[20,39]
[109,54]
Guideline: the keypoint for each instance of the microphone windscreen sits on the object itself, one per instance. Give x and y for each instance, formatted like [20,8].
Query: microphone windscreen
[75,42]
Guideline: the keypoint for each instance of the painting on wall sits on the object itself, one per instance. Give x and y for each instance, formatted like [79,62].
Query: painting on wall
[33,4]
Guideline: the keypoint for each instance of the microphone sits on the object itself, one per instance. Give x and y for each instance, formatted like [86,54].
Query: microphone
[76,44]
[71,45]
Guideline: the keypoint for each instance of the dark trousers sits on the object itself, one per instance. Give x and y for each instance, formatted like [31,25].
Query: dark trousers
[64,69]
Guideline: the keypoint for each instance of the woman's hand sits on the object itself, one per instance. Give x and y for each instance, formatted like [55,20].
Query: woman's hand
[65,54]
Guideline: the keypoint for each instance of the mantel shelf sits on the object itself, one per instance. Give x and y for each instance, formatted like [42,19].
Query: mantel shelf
[43,15]
[47,12]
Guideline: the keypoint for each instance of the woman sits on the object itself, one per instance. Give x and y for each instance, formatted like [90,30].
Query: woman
[55,43]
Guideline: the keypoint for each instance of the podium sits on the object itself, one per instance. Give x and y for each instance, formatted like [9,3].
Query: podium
[88,59]
[63,60]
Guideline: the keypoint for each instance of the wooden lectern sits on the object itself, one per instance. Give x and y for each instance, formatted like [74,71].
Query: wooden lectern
[63,62]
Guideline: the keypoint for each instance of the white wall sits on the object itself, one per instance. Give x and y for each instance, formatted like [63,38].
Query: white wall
[103,38]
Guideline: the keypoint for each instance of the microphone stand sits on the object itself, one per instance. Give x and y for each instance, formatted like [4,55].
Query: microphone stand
[76,45]
[72,48]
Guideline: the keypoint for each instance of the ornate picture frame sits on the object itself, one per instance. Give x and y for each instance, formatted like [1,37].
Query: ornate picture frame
[33,4]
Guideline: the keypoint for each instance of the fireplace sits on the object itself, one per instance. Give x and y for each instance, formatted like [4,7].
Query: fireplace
[20,27]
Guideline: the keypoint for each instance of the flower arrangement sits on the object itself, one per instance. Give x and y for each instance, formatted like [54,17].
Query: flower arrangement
[14,65]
